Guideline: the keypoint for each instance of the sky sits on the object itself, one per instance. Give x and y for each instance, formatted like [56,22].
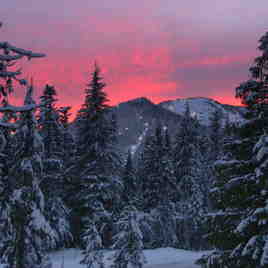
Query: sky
[159,49]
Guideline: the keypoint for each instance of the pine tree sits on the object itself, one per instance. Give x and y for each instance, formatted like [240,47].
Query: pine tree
[252,229]
[253,92]
[192,176]
[95,173]
[53,134]
[28,227]
[93,256]
[237,229]
[50,129]
[216,134]
[158,187]
[68,140]
[129,180]
[23,225]
[155,171]
[129,241]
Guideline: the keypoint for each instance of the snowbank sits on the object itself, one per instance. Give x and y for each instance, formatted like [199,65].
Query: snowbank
[156,258]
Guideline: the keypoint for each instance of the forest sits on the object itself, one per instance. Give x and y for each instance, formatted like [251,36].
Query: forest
[66,183]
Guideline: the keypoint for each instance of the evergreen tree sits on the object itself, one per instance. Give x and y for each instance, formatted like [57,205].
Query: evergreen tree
[237,228]
[23,225]
[53,134]
[156,171]
[129,241]
[216,134]
[252,229]
[95,173]
[28,227]
[192,175]
[93,256]
[50,129]
[129,180]
[68,140]
[253,92]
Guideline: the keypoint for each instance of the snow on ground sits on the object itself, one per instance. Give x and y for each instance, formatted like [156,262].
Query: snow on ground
[156,258]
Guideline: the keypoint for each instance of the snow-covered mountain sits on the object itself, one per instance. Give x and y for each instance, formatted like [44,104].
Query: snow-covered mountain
[139,116]
[203,109]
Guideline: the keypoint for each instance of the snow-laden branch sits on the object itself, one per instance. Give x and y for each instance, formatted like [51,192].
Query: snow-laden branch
[10,58]
[18,109]
[13,126]
[20,51]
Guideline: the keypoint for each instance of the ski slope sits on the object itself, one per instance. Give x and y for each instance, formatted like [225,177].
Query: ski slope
[156,258]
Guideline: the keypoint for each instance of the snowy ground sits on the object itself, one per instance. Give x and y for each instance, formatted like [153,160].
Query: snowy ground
[156,258]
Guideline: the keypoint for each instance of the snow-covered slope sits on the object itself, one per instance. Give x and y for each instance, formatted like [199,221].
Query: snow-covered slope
[138,117]
[203,109]
[156,258]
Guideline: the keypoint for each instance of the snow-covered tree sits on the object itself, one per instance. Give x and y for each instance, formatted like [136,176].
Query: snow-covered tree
[254,92]
[49,125]
[216,135]
[95,173]
[129,241]
[238,225]
[23,225]
[68,140]
[52,133]
[28,227]
[156,171]
[251,232]
[92,254]
[192,174]
[129,180]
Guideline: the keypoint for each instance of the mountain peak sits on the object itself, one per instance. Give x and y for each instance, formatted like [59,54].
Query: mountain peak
[141,100]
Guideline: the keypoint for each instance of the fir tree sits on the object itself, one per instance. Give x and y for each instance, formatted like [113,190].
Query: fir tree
[192,176]
[49,124]
[95,172]
[129,180]
[253,92]
[129,241]
[216,134]
[68,140]
[239,196]
[23,225]
[93,256]
[156,171]
[53,134]
[28,227]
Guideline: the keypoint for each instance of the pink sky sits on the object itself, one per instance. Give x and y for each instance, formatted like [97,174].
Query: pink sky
[152,48]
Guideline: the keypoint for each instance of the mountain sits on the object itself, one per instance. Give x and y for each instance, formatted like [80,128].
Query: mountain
[203,109]
[138,117]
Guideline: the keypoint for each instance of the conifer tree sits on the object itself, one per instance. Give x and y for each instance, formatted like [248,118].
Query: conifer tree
[216,134]
[253,92]
[93,256]
[68,140]
[129,241]
[192,173]
[155,172]
[252,229]
[53,134]
[49,124]
[95,173]
[23,225]
[129,180]
[28,226]
[237,228]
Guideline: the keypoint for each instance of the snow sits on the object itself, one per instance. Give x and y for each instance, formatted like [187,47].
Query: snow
[203,108]
[156,258]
